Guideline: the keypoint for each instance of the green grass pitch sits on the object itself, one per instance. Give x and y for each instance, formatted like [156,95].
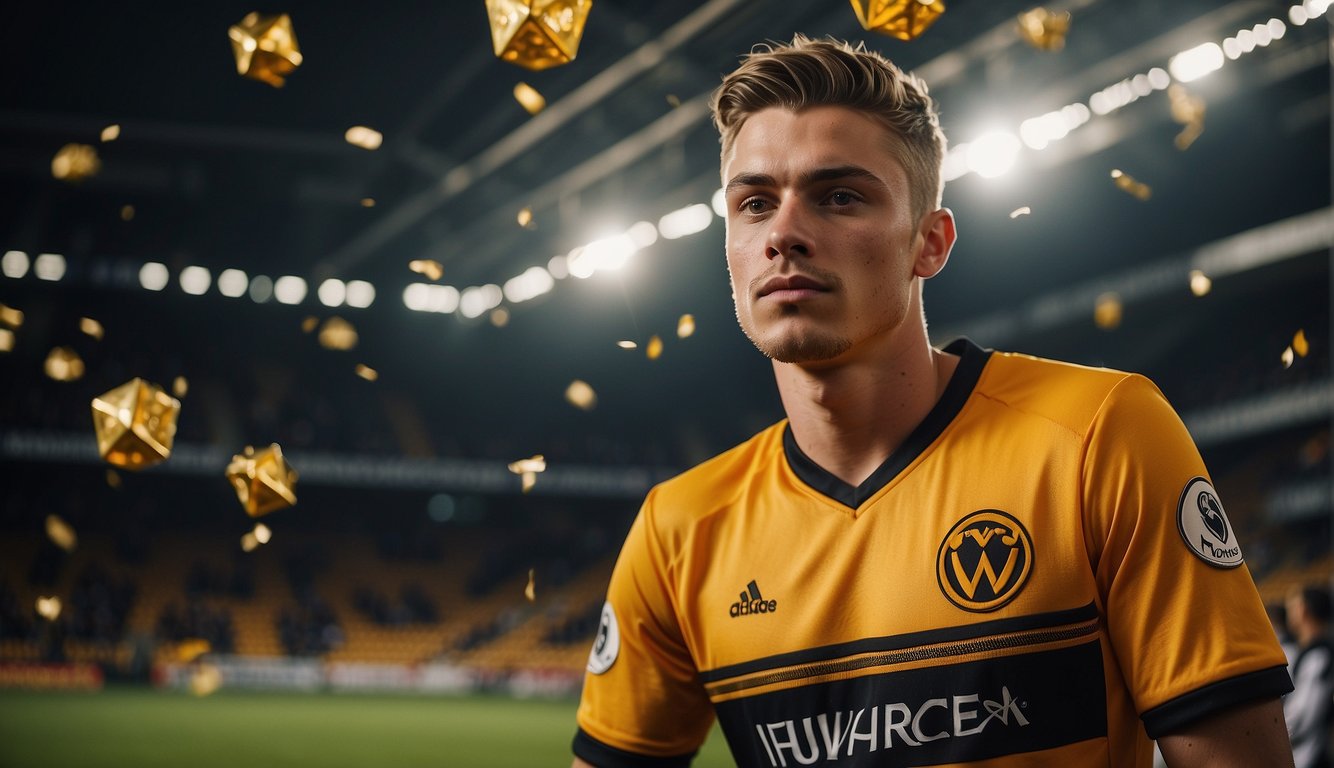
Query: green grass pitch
[143,728]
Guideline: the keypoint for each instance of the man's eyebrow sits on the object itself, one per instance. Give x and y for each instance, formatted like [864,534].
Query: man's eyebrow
[833,173]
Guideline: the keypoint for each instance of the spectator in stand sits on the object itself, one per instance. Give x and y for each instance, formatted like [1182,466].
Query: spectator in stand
[1310,706]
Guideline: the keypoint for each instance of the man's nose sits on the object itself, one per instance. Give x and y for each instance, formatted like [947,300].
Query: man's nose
[789,232]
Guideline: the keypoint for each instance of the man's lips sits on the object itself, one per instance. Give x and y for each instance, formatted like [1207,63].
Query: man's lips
[791,287]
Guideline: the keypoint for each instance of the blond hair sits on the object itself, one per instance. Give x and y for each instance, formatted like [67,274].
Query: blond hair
[809,73]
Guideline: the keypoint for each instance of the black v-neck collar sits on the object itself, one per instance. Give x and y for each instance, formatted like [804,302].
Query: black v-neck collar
[972,360]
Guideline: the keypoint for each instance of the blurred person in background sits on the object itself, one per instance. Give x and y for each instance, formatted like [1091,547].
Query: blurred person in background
[1309,709]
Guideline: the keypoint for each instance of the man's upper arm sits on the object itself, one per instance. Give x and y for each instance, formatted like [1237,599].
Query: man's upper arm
[1247,735]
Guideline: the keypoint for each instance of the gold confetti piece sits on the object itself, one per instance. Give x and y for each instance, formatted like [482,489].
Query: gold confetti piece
[529,98]
[428,268]
[685,327]
[113,479]
[92,327]
[527,481]
[1043,29]
[110,133]
[581,395]
[1130,186]
[1188,110]
[530,591]
[1299,343]
[1200,284]
[10,316]
[904,19]
[525,218]
[192,648]
[64,364]
[265,47]
[48,608]
[537,463]
[1286,357]
[1107,311]
[673,100]
[6,340]
[366,372]
[75,162]
[136,424]
[310,323]
[1022,210]
[367,202]
[180,386]
[654,349]
[627,344]
[206,680]
[537,34]
[249,542]
[338,334]
[263,481]
[364,137]
[262,533]
[126,212]
[61,533]
[500,317]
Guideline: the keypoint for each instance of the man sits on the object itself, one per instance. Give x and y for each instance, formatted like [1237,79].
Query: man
[942,556]
[1308,709]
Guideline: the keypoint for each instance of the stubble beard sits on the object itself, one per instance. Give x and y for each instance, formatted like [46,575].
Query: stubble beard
[809,346]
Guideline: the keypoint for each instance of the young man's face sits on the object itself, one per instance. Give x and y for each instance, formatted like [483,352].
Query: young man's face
[822,247]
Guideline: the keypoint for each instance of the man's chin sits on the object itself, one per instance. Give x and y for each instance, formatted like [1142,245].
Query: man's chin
[804,349]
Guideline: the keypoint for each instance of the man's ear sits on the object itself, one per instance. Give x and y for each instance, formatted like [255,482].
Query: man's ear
[937,235]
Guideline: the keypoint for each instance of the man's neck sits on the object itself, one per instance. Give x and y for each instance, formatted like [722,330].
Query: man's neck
[849,418]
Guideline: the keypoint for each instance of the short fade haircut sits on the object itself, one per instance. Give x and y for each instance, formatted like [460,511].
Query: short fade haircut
[812,73]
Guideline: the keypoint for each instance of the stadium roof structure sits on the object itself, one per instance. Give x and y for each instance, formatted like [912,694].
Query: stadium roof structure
[226,173]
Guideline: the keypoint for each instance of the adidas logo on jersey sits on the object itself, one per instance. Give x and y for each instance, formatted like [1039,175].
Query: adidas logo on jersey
[752,602]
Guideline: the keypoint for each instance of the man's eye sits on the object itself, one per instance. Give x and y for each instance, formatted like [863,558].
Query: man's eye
[754,205]
[841,198]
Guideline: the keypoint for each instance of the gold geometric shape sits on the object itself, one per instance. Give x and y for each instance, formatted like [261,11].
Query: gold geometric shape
[63,364]
[136,424]
[1043,29]
[263,480]
[904,19]
[265,47]
[537,34]
[75,162]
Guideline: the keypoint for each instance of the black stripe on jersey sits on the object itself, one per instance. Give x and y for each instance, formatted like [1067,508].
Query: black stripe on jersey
[981,629]
[954,713]
[590,750]
[1215,697]
[972,360]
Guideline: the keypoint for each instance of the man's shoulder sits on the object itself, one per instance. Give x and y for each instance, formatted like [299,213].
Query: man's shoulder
[715,483]
[1069,394]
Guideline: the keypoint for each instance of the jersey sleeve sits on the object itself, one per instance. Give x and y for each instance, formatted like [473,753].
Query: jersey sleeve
[1183,616]
[642,702]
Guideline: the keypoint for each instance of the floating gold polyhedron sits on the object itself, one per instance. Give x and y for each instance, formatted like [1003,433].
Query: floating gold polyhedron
[904,19]
[1043,29]
[537,34]
[263,480]
[135,423]
[265,47]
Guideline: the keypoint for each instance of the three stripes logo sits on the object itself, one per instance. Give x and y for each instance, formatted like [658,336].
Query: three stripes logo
[984,560]
[752,602]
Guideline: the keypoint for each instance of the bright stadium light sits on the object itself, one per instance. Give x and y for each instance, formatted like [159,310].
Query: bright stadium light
[332,292]
[604,254]
[153,276]
[644,234]
[195,280]
[49,266]
[559,266]
[14,264]
[289,289]
[534,282]
[232,283]
[477,299]
[719,202]
[993,154]
[1199,61]
[261,288]
[360,294]
[685,221]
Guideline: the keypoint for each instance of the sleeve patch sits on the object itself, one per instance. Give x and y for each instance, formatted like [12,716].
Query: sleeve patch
[1205,527]
[607,646]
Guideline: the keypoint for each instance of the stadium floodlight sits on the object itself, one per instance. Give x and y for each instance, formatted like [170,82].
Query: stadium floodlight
[644,234]
[153,276]
[1297,15]
[559,266]
[685,221]
[534,282]
[332,292]
[1159,78]
[49,266]
[1199,61]
[479,298]
[444,299]
[417,296]
[195,280]
[993,154]
[289,289]
[604,254]
[360,294]
[261,288]
[232,283]
[719,202]
[14,264]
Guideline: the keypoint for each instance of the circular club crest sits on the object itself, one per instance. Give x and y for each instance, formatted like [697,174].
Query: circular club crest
[1205,526]
[608,643]
[984,560]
